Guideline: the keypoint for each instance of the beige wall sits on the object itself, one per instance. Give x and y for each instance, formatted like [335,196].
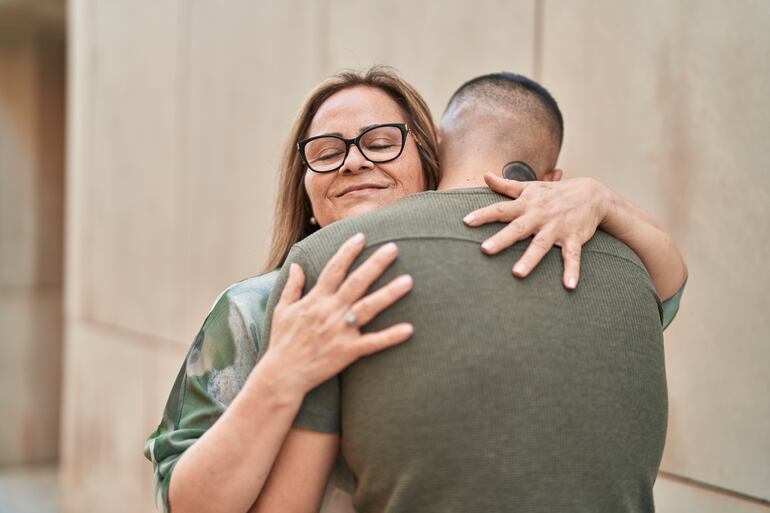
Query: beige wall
[666,102]
[32,82]
[177,116]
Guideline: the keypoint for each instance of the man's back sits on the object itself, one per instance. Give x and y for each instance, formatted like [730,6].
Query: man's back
[512,395]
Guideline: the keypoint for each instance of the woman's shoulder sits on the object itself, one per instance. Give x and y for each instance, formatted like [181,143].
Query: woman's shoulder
[228,344]
[238,313]
[248,295]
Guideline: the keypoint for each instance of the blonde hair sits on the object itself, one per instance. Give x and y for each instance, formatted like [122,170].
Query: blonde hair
[291,222]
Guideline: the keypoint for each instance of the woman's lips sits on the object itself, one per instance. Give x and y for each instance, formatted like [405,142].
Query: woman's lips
[361,190]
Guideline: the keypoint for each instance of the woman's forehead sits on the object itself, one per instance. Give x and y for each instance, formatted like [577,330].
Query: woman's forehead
[349,111]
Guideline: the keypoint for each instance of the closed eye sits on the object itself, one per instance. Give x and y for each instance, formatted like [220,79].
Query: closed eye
[328,156]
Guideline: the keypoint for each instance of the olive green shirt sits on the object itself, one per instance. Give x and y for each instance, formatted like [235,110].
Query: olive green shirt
[512,395]
[223,353]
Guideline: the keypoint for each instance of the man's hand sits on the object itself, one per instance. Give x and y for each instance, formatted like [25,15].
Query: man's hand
[564,214]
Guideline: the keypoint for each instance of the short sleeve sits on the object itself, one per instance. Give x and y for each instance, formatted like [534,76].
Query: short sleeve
[670,306]
[214,371]
[320,409]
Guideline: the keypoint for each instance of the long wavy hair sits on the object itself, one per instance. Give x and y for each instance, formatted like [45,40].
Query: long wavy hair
[291,221]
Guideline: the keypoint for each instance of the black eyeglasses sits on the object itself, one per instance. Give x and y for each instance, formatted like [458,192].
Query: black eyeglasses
[378,144]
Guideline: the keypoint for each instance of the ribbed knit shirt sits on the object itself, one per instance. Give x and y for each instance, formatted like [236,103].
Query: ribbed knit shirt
[512,395]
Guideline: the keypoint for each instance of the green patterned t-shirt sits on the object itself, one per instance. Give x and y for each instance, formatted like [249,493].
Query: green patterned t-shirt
[215,369]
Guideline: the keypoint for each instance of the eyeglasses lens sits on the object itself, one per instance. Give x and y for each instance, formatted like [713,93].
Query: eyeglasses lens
[379,144]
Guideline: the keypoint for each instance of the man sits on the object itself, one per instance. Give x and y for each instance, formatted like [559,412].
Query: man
[511,395]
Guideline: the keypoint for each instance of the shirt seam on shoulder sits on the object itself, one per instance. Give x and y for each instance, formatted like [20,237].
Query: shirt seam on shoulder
[474,241]
[465,191]
[374,242]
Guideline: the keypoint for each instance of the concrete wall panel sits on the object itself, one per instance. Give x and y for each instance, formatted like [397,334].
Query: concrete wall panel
[31,238]
[31,157]
[112,404]
[665,103]
[128,172]
[436,47]
[18,141]
[30,366]
[243,83]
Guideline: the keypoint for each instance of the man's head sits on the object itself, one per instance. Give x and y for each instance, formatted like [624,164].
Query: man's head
[501,117]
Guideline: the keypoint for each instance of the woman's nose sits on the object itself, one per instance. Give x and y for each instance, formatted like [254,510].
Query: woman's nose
[355,161]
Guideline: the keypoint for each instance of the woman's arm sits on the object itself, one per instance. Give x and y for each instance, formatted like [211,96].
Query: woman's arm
[640,232]
[567,214]
[298,478]
[226,469]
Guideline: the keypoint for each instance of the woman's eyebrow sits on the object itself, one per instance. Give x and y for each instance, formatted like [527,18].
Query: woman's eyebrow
[363,129]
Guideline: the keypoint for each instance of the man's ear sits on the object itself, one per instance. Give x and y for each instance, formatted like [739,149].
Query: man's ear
[554,175]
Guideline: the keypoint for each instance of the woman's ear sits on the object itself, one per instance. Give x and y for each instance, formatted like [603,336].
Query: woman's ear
[554,175]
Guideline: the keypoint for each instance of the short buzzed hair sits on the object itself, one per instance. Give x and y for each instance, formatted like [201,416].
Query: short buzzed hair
[516,92]
[504,115]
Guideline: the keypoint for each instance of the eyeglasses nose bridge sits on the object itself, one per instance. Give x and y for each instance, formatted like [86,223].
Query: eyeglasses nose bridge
[353,143]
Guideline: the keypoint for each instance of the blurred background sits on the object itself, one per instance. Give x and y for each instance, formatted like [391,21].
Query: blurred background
[139,142]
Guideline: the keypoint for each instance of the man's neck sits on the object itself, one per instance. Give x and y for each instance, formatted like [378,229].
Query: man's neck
[466,175]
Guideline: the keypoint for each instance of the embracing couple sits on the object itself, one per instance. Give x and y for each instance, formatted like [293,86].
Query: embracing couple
[389,347]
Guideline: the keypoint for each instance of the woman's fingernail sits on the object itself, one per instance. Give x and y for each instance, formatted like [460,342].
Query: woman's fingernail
[359,237]
[488,245]
[469,219]
[572,282]
[405,280]
[519,269]
[390,248]
[407,329]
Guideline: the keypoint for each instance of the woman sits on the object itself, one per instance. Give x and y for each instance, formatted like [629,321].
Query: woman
[237,438]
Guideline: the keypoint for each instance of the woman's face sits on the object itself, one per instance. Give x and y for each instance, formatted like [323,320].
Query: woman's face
[360,186]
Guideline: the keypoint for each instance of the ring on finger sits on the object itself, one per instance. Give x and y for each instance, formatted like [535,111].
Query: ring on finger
[351,319]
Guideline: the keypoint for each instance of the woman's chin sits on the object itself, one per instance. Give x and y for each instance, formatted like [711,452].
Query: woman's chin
[360,208]
[363,205]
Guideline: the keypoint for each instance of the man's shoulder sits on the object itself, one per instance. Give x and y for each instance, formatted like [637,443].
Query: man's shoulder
[603,242]
[426,213]
[324,242]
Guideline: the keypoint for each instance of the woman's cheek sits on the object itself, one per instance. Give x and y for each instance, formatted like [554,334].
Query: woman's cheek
[315,191]
[418,181]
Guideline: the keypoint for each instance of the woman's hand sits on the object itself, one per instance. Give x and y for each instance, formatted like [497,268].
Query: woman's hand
[564,214]
[567,214]
[312,339]
[316,336]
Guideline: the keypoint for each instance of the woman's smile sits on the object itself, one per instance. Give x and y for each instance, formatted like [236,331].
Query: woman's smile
[361,189]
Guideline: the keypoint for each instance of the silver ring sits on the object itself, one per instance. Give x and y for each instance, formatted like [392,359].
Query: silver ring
[351,319]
